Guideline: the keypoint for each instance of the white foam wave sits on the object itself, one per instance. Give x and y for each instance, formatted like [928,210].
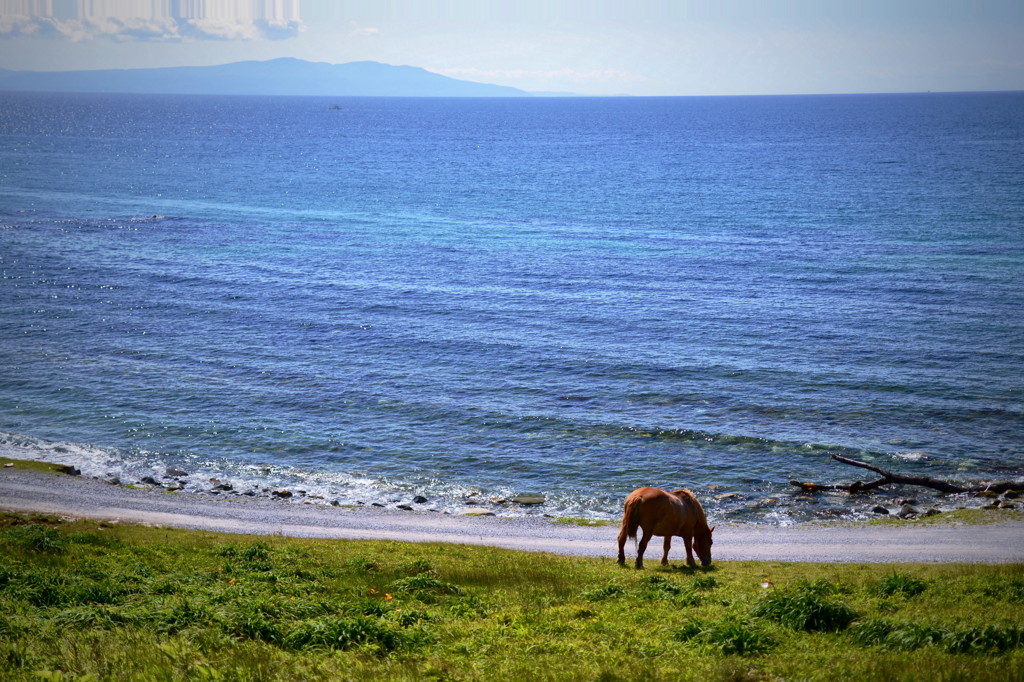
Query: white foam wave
[911,455]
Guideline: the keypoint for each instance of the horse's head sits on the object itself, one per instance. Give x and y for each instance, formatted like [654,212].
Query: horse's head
[702,545]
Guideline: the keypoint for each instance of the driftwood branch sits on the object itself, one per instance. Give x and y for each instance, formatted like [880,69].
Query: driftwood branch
[887,477]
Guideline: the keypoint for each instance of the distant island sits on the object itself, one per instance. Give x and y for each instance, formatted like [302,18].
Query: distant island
[284,76]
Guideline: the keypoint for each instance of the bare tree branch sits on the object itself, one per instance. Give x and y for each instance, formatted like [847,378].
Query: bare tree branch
[888,477]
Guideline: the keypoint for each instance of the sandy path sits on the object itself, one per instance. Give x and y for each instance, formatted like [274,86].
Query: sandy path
[80,497]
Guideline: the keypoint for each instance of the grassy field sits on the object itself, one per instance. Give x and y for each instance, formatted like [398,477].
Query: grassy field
[83,600]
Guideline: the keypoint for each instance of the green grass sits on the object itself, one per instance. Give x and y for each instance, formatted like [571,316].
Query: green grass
[83,600]
[582,521]
[32,465]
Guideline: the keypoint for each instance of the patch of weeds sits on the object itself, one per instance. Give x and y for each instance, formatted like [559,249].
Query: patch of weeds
[7,575]
[607,591]
[16,655]
[256,555]
[1003,589]
[301,609]
[268,576]
[317,573]
[41,590]
[416,567]
[737,670]
[688,598]
[12,519]
[174,583]
[258,551]
[871,631]
[901,584]
[424,587]
[894,635]
[822,587]
[369,607]
[95,540]
[180,614]
[907,636]
[409,617]
[137,572]
[345,633]
[82,617]
[704,582]
[226,550]
[362,563]
[295,553]
[12,626]
[805,607]
[992,638]
[730,636]
[37,538]
[887,606]
[96,592]
[659,587]
[469,606]
[256,620]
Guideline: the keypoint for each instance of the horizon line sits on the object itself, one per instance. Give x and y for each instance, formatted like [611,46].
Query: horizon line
[537,94]
[532,94]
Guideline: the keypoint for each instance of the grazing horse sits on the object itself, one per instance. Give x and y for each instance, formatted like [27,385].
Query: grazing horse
[659,512]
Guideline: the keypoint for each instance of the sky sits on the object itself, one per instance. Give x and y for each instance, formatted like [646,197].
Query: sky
[588,47]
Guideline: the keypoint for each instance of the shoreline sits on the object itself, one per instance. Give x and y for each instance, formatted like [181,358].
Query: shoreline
[778,508]
[77,497]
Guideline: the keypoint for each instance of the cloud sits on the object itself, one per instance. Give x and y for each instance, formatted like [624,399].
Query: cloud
[251,23]
[363,31]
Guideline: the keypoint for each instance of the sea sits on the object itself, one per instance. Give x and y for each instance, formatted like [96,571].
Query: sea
[448,304]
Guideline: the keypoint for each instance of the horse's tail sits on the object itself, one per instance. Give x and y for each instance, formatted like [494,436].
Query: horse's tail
[631,516]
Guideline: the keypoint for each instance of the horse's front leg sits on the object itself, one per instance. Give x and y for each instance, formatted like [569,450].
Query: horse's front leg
[668,546]
[688,543]
[641,548]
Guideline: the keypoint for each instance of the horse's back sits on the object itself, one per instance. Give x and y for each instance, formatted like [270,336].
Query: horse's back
[657,511]
[645,493]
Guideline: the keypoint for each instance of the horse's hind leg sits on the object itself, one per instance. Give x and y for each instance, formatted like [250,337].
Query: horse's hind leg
[641,548]
[623,534]
[668,546]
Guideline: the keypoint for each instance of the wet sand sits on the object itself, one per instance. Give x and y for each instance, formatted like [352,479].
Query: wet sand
[79,497]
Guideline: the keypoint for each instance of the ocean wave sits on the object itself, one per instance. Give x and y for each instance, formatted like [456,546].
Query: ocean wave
[748,500]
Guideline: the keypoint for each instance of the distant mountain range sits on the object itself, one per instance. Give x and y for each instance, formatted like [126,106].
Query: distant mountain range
[275,77]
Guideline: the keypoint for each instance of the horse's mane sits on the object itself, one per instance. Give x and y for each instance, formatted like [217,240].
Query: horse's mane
[691,501]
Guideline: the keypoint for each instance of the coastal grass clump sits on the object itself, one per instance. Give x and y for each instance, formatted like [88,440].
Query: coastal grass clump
[901,635]
[87,600]
[730,635]
[807,606]
[900,584]
[36,538]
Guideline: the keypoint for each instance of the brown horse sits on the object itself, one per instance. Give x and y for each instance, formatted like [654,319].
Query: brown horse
[659,512]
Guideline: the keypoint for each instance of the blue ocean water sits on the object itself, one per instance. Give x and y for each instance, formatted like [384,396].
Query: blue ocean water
[371,299]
